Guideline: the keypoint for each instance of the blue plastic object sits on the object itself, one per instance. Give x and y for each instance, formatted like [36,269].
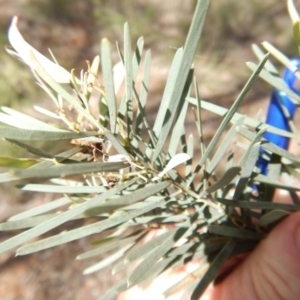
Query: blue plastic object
[276,117]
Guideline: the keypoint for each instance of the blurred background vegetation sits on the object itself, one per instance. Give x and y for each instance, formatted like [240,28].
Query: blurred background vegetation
[73,30]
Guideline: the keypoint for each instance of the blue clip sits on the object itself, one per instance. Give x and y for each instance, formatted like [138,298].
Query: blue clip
[276,117]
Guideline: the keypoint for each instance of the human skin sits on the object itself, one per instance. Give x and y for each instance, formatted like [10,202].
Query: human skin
[271,271]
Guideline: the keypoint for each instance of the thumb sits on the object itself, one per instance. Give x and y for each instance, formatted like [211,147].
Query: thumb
[271,271]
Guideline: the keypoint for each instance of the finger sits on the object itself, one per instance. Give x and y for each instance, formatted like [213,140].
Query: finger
[271,271]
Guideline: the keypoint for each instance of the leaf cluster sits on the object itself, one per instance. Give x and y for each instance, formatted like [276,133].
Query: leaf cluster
[120,173]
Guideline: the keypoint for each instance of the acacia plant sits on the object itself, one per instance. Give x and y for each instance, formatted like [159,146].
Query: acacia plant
[120,173]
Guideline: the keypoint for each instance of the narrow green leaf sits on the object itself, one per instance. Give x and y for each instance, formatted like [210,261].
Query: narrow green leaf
[296,31]
[247,171]
[108,260]
[184,62]
[224,145]
[178,126]
[259,205]
[128,77]
[190,152]
[23,121]
[171,113]
[155,255]
[40,153]
[143,92]
[110,245]
[268,146]
[292,11]
[260,55]
[47,113]
[213,269]
[135,63]
[276,82]
[122,106]
[25,118]
[272,217]
[235,232]
[275,183]
[108,81]
[40,135]
[164,218]
[198,119]
[17,162]
[227,177]
[140,194]
[166,98]
[221,111]
[7,177]
[82,231]
[282,58]
[40,209]
[103,108]
[137,57]
[229,115]
[147,247]
[51,188]
[155,270]
[60,219]
[62,170]
[257,138]
[25,223]
[145,121]
[184,283]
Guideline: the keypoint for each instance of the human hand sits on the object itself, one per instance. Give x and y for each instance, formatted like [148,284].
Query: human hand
[271,271]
